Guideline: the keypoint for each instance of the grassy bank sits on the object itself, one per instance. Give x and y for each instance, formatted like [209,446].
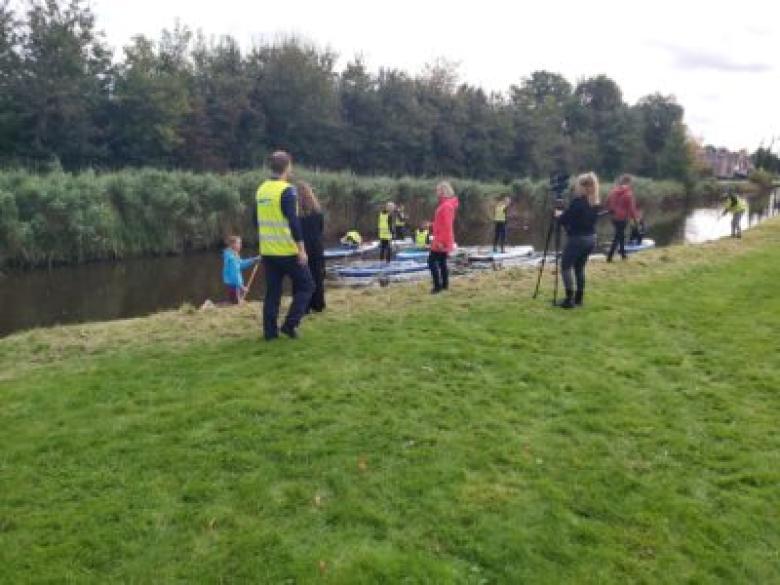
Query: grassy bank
[478,437]
[63,218]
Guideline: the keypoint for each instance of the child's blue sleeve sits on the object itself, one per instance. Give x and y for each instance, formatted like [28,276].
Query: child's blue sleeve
[249,262]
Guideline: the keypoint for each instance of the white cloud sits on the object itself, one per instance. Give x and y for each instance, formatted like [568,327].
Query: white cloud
[720,59]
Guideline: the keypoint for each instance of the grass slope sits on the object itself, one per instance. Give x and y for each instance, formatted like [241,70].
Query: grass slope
[478,437]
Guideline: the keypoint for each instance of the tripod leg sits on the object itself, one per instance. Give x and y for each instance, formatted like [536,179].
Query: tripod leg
[544,257]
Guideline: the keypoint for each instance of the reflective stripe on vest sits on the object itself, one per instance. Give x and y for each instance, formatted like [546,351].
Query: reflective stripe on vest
[421,238]
[273,228]
[384,226]
[500,214]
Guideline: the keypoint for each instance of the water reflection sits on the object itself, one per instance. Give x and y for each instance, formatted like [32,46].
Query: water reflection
[705,225]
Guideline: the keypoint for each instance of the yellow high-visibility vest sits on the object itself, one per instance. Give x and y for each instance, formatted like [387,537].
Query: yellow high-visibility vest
[384,226]
[500,214]
[354,237]
[739,206]
[272,226]
[421,238]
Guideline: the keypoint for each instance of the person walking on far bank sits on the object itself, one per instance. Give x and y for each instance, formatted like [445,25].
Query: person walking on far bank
[622,207]
[737,206]
[443,236]
[313,224]
[282,248]
[386,228]
[500,214]
[579,221]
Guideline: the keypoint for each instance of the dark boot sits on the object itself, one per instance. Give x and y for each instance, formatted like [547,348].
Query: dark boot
[568,302]
[578,297]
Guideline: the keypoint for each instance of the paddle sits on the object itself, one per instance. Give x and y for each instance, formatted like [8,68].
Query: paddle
[251,279]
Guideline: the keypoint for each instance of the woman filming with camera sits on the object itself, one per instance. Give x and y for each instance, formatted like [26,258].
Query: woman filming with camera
[579,221]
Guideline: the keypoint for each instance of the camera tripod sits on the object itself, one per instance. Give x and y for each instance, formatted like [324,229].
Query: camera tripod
[553,234]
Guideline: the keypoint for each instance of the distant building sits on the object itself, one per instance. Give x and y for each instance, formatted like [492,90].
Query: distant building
[726,164]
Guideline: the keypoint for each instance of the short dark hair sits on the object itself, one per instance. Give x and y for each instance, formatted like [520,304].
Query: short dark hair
[279,161]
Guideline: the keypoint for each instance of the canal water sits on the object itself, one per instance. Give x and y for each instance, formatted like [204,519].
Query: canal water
[131,288]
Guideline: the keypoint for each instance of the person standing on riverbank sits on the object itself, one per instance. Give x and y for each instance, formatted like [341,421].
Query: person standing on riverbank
[399,231]
[386,228]
[313,225]
[500,214]
[737,206]
[232,269]
[579,221]
[282,248]
[622,207]
[443,236]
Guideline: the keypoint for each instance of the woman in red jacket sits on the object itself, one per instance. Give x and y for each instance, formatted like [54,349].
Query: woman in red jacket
[443,237]
[622,206]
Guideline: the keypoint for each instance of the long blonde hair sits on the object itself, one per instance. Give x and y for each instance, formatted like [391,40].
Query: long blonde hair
[445,188]
[588,186]
[308,200]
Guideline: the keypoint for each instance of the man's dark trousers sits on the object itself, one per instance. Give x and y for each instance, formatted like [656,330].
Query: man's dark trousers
[276,268]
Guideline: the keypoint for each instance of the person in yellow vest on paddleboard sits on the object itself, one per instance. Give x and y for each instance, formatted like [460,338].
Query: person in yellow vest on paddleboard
[422,235]
[282,248]
[737,206]
[352,238]
[500,213]
[386,228]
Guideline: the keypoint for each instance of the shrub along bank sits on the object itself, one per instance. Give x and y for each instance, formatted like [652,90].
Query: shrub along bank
[59,217]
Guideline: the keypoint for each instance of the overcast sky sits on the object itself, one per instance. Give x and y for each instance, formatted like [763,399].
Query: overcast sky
[720,59]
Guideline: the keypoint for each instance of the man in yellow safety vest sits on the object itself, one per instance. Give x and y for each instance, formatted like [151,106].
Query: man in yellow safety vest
[282,249]
[386,228]
[737,206]
[500,213]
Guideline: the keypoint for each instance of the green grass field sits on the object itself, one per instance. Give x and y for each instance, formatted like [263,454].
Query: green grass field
[478,437]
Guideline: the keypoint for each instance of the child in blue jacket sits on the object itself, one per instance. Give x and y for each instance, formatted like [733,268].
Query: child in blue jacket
[232,269]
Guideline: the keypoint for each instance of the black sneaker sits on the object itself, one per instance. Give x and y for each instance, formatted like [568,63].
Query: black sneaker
[567,304]
[435,291]
[289,332]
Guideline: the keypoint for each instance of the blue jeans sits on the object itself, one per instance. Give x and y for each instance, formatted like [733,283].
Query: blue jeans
[276,268]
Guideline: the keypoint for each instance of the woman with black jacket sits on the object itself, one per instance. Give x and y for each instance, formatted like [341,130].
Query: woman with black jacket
[579,221]
[313,224]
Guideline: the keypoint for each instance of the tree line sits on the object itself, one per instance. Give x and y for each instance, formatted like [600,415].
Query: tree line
[183,101]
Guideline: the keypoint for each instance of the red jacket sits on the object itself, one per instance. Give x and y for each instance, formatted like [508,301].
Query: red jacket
[443,231]
[621,204]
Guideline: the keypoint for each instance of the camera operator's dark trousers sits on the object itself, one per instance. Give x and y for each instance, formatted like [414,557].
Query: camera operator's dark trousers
[619,241]
[276,268]
[499,239]
[574,259]
[437,262]
[385,250]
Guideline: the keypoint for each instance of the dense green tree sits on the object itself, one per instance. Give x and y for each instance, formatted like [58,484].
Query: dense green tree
[182,101]
[64,85]
[151,101]
[295,86]
[676,160]
[10,72]
[660,116]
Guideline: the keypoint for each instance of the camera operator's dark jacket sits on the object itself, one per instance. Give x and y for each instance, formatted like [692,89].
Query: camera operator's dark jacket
[580,218]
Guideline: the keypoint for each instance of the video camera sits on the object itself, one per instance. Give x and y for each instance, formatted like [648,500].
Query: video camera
[559,184]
